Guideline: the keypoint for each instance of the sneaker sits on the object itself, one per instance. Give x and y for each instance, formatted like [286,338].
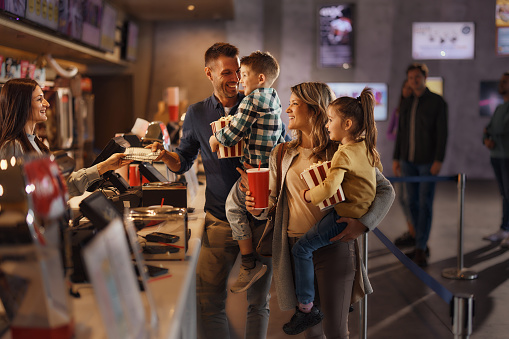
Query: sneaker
[497,236]
[247,277]
[302,321]
[406,240]
[420,258]
[412,253]
[505,243]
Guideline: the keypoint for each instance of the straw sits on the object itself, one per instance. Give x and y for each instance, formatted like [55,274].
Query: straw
[259,164]
[162,201]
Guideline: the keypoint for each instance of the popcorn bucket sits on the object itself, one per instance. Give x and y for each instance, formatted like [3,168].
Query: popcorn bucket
[227,152]
[314,176]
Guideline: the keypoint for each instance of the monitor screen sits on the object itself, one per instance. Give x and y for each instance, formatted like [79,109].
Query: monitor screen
[130,39]
[352,89]
[336,36]
[443,40]
[99,210]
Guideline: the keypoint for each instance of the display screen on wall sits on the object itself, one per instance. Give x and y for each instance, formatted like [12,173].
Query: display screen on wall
[130,45]
[435,85]
[443,40]
[336,36]
[108,28]
[354,89]
[489,98]
[16,7]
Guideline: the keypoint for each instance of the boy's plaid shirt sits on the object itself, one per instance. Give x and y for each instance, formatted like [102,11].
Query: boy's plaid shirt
[258,121]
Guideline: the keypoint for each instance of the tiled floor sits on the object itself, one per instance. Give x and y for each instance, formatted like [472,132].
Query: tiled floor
[404,307]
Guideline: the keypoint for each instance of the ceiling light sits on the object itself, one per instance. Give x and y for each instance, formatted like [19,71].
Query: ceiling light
[190,8]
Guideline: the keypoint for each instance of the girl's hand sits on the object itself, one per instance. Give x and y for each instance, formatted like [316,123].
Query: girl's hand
[250,203]
[352,231]
[304,194]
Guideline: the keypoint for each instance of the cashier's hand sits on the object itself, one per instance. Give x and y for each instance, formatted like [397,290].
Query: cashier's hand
[214,144]
[244,184]
[352,231]
[112,163]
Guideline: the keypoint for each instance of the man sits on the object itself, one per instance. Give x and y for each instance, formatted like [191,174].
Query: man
[219,251]
[419,151]
[496,138]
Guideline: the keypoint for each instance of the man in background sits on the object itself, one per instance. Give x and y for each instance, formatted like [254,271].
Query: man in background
[496,139]
[419,151]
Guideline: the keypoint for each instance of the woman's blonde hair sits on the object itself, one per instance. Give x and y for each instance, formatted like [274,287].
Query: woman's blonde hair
[317,96]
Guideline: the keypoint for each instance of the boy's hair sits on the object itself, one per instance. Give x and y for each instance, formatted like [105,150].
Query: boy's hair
[421,67]
[220,49]
[262,63]
[361,111]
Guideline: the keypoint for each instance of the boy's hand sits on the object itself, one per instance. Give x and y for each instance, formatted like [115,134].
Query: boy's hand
[214,144]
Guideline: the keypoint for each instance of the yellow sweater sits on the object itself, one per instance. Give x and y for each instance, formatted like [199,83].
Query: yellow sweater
[352,170]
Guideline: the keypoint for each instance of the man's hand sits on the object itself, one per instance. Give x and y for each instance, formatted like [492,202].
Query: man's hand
[170,159]
[489,143]
[352,231]
[435,168]
[396,168]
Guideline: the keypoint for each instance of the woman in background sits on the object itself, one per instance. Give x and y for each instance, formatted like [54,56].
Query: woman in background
[22,106]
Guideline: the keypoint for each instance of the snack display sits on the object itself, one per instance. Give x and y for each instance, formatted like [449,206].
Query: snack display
[227,152]
[317,173]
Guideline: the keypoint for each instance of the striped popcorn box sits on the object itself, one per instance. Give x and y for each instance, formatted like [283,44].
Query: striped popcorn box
[314,176]
[227,152]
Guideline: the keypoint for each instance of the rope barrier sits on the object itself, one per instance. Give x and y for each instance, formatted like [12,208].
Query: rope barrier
[429,178]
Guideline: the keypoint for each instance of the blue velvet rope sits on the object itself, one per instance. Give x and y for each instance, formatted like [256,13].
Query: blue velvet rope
[440,290]
[430,178]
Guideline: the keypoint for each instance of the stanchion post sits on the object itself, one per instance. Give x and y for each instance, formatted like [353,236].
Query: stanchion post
[460,272]
[363,313]
[462,313]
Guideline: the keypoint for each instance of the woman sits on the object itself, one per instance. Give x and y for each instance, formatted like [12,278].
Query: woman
[340,277]
[22,106]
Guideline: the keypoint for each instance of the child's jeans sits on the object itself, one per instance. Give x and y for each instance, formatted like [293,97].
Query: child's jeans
[236,213]
[318,236]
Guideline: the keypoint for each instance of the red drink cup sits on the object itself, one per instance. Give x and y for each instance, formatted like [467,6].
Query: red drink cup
[259,186]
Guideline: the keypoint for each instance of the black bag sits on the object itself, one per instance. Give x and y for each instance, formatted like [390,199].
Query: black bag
[264,247]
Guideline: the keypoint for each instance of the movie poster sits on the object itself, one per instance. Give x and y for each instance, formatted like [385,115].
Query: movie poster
[336,36]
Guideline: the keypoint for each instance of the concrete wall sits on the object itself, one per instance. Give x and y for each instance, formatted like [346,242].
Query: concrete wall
[288,29]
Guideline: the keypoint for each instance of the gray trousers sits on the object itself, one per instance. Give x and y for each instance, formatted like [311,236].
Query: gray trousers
[335,267]
[217,257]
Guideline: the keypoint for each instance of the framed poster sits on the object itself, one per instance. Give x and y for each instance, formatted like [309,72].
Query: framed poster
[108,28]
[336,36]
[443,40]
[354,89]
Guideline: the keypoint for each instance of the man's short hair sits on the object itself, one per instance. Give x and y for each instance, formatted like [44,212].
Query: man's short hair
[262,63]
[421,67]
[220,49]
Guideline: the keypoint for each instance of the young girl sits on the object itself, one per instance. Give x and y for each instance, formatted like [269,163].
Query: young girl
[351,122]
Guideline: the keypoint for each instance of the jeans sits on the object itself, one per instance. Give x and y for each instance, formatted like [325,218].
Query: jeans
[236,213]
[501,169]
[217,257]
[420,201]
[318,236]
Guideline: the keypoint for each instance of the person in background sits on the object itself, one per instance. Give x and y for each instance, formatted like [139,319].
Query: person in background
[22,106]
[419,151]
[496,139]
[408,238]
[219,251]
[340,277]
[258,123]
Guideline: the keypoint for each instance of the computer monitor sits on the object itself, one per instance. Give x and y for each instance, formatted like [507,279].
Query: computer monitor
[99,210]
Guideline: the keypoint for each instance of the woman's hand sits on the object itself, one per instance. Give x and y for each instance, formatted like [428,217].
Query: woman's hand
[114,162]
[250,203]
[353,230]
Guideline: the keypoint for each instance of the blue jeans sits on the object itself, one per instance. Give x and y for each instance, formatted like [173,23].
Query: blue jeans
[236,213]
[318,236]
[501,169]
[420,201]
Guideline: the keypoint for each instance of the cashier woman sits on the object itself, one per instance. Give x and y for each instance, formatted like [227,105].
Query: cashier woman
[22,106]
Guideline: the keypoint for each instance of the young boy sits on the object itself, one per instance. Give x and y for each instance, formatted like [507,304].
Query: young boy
[258,121]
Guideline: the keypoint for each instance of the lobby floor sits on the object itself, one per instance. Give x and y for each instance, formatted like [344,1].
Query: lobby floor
[404,307]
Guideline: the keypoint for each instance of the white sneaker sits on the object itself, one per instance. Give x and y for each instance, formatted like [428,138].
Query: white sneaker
[505,243]
[248,277]
[497,236]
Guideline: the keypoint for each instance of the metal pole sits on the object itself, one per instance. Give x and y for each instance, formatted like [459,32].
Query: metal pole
[460,272]
[462,314]
[363,313]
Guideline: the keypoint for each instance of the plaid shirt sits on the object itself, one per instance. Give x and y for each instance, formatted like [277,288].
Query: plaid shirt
[258,120]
